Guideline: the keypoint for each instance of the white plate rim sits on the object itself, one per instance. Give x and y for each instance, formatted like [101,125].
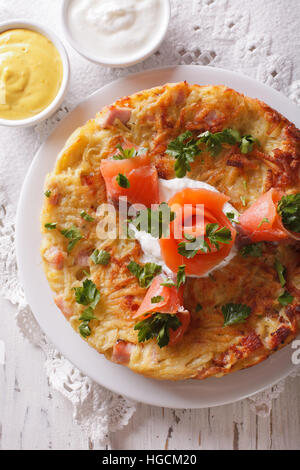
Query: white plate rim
[182,394]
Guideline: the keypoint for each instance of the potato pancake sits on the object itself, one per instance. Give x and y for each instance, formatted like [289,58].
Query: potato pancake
[74,190]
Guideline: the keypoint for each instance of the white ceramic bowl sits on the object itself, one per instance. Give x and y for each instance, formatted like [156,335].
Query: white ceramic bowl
[115,63]
[19,23]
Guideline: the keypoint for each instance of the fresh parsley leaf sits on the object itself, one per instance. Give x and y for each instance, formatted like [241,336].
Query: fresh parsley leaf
[254,250]
[214,141]
[84,329]
[231,216]
[189,237]
[235,313]
[181,277]
[125,153]
[198,307]
[87,314]
[50,225]
[246,144]
[157,299]
[86,216]
[286,298]
[122,181]
[47,193]
[88,294]
[243,200]
[145,274]
[155,222]
[281,271]
[263,221]
[218,235]
[189,249]
[168,283]
[157,326]
[289,210]
[184,149]
[100,257]
[74,235]
[214,234]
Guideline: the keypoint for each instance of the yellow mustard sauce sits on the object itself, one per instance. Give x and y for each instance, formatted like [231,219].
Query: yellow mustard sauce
[31,73]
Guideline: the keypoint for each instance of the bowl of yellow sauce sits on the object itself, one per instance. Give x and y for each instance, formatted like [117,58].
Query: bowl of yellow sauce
[34,73]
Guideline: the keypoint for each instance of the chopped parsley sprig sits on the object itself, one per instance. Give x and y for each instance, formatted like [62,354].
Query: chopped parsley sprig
[184,149]
[50,225]
[89,296]
[123,181]
[246,143]
[155,222]
[84,215]
[157,299]
[73,235]
[285,298]
[180,278]
[218,235]
[157,327]
[144,274]
[253,249]
[125,153]
[214,141]
[281,271]
[235,313]
[100,257]
[214,234]
[289,210]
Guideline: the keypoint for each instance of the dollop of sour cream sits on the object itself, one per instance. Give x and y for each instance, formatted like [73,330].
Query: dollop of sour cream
[115,29]
[150,245]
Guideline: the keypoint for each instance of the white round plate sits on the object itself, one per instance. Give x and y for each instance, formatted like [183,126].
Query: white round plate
[182,394]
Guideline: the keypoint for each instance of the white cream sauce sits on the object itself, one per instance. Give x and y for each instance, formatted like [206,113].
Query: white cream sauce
[116,29]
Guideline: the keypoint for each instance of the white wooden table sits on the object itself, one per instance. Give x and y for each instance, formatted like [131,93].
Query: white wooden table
[33,416]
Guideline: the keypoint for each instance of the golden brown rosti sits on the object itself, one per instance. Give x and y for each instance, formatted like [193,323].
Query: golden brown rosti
[151,119]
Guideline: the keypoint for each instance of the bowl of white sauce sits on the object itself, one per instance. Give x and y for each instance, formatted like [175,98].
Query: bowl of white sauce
[115,33]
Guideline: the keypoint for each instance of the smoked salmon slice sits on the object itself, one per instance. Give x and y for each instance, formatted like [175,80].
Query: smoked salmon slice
[171,303]
[187,204]
[261,221]
[176,336]
[142,177]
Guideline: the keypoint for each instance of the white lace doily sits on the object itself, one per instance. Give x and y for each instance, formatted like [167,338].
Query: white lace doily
[235,34]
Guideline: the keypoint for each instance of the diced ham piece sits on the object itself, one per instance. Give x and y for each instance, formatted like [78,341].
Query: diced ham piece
[55,257]
[54,198]
[121,352]
[82,259]
[63,306]
[113,113]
